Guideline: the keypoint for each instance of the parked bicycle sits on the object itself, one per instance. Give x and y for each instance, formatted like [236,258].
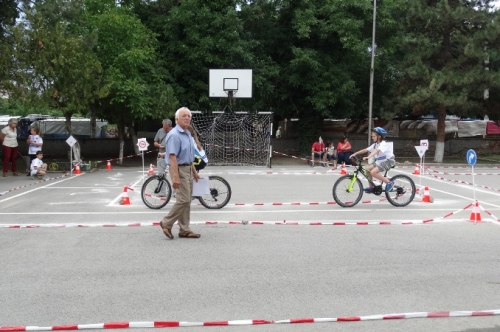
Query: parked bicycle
[157,191]
[348,190]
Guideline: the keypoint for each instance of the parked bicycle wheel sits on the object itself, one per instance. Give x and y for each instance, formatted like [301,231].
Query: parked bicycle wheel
[156,192]
[403,191]
[345,197]
[220,193]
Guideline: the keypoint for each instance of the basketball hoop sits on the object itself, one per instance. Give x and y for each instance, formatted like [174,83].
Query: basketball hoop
[230,84]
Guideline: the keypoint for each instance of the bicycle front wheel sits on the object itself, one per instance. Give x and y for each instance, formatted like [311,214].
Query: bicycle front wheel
[220,193]
[403,191]
[156,192]
[344,196]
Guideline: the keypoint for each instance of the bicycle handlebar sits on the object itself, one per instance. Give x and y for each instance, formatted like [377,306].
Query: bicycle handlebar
[356,159]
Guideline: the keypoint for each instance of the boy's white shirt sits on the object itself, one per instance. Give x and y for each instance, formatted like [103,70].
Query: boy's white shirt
[34,148]
[385,150]
[36,163]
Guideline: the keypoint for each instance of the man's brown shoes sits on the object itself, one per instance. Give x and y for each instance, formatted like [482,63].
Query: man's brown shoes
[189,235]
[166,231]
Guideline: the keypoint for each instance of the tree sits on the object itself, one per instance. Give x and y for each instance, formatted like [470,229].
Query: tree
[321,50]
[194,36]
[51,61]
[133,88]
[445,45]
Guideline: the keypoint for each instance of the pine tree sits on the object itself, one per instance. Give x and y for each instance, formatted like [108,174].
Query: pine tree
[445,46]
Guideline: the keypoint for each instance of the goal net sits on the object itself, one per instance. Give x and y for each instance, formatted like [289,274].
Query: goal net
[234,138]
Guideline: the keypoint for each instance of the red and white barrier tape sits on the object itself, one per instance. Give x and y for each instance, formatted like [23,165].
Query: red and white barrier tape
[233,147]
[446,173]
[31,184]
[230,222]
[162,324]
[496,220]
[300,203]
[449,214]
[130,156]
[462,182]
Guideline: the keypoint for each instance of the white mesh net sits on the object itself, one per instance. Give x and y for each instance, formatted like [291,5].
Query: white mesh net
[234,138]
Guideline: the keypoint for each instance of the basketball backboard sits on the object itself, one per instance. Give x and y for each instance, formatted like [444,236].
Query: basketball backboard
[222,81]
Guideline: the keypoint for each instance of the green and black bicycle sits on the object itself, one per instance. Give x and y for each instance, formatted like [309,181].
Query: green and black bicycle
[348,189]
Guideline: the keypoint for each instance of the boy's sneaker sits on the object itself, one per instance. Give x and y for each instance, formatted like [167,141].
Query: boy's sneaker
[368,190]
[389,186]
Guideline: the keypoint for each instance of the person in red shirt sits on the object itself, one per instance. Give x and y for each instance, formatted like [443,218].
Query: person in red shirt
[344,151]
[318,150]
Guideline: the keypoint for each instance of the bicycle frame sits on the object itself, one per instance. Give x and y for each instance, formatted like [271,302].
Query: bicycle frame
[364,171]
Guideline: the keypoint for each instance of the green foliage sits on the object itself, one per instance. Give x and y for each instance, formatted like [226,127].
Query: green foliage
[197,35]
[132,87]
[445,47]
[52,64]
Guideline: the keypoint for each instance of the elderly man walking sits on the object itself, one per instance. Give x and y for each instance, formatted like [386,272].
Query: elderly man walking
[180,156]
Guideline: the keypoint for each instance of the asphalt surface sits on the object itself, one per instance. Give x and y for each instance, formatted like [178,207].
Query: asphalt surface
[58,276]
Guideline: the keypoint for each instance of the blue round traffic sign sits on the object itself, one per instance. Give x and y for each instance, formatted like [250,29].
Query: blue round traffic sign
[471,157]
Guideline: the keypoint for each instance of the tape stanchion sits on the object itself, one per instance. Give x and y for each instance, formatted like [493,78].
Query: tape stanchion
[159,324]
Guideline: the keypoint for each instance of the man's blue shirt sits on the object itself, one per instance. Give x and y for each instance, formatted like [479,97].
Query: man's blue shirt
[179,143]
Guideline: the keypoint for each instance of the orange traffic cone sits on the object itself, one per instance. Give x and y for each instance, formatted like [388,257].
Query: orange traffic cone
[417,170]
[108,166]
[475,214]
[151,171]
[343,170]
[77,169]
[427,197]
[125,199]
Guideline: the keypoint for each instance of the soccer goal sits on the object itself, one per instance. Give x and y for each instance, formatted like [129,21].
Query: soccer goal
[237,138]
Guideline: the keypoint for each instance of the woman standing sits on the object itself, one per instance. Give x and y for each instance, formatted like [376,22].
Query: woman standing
[8,137]
[35,143]
[344,151]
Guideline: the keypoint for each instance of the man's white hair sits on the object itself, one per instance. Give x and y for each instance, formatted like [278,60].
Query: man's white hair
[179,111]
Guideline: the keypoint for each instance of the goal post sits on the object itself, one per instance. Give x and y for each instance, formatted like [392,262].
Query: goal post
[236,138]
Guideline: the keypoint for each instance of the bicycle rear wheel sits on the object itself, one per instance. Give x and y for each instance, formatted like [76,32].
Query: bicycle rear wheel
[403,191]
[343,196]
[156,192]
[220,193]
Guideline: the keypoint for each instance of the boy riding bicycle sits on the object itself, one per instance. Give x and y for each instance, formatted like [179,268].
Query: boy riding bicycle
[384,159]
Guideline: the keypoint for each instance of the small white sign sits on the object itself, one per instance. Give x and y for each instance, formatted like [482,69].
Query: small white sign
[143,144]
[424,142]
[421,150]
[71,141]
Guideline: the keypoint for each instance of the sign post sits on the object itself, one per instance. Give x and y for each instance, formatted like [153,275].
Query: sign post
[472,159]
[71,141]
[425,143]
[421,153]
[143,144]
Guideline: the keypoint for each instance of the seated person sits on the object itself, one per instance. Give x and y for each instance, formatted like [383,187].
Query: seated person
[344,151]
[318,150]
[38,168]
[331,154]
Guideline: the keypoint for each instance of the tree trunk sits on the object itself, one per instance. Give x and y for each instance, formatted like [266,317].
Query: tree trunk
[438,154]
[121,135]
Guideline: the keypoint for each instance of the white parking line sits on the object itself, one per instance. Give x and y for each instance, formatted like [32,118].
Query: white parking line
[35,189]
